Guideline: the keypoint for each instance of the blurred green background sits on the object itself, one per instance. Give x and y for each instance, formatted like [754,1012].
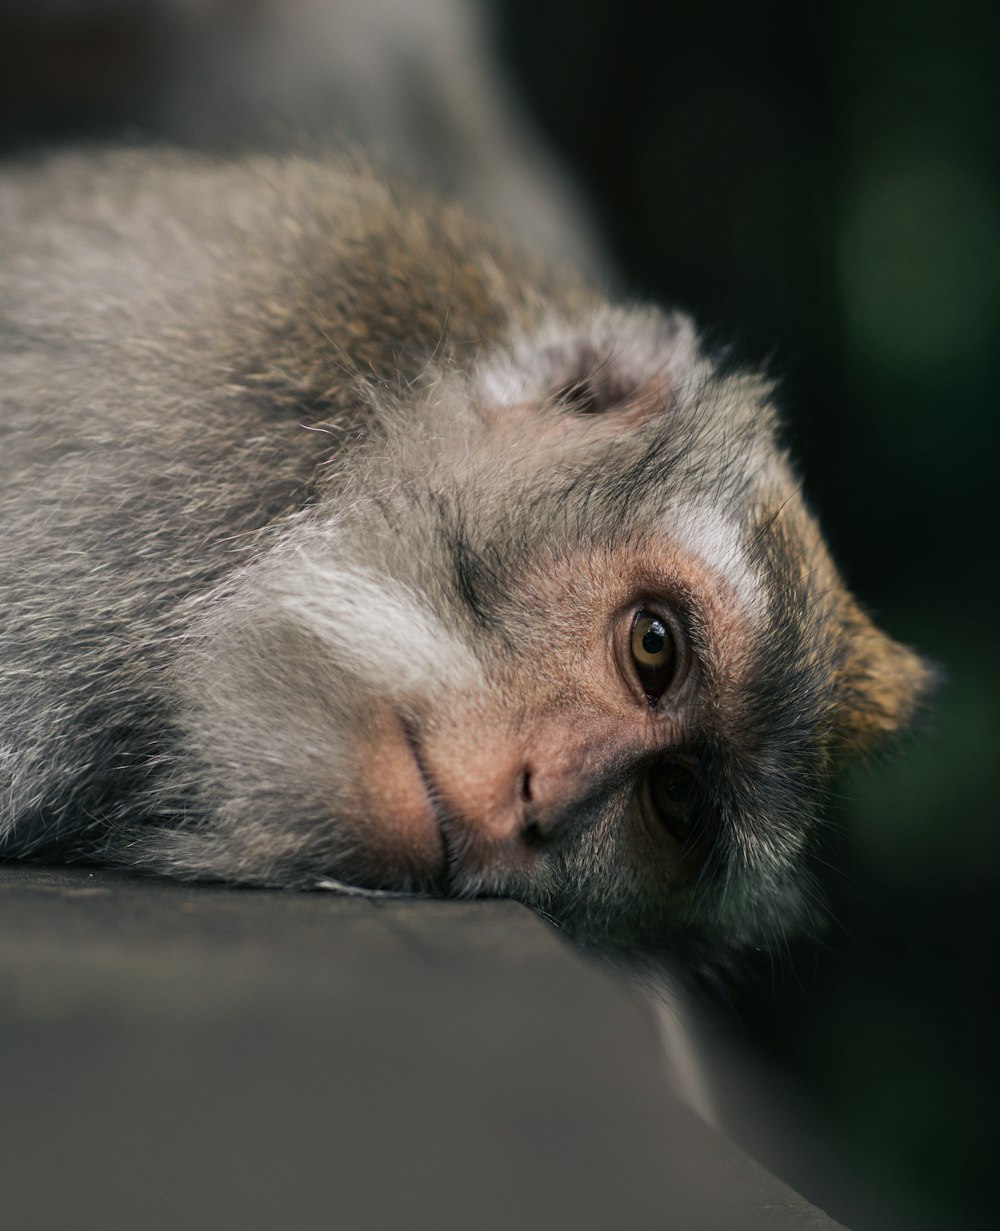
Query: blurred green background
[820,185]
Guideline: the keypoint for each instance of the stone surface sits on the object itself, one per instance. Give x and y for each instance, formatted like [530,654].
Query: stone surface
[211,1057]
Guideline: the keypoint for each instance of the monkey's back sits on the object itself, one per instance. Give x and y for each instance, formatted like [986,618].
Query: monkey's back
[184,345]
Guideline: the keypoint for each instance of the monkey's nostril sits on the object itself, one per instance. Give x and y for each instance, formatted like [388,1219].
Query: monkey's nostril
[532,831]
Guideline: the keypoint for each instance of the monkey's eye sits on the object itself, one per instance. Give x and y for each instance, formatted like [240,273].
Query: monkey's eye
[673,792]
[653,653]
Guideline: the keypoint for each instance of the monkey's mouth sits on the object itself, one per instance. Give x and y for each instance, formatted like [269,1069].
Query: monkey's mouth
[433,805]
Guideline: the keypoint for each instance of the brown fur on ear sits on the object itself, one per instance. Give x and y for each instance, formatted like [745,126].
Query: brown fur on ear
[882,683]
[877,685]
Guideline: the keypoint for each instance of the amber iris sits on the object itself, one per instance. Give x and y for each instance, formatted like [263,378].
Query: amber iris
[653,652]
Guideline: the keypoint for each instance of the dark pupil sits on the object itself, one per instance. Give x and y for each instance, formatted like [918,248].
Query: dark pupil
[678,788]
[653,640]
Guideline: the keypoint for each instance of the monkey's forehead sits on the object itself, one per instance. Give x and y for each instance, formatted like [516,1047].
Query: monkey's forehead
[511,461]
[619,405]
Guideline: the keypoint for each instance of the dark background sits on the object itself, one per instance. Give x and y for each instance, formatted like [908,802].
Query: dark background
[820,185]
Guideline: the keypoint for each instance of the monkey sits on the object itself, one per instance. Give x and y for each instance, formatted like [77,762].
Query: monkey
[345,543]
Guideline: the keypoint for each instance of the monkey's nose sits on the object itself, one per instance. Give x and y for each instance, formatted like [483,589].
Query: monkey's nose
[541,816]
[495,796]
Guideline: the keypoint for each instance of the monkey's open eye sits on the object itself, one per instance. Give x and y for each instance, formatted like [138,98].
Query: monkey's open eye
[673,792]
[653,653]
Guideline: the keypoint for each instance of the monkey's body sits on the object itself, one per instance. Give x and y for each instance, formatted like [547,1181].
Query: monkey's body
[326,524]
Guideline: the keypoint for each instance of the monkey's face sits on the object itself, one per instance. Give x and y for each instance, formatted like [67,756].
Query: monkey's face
[569,769]
[571,637]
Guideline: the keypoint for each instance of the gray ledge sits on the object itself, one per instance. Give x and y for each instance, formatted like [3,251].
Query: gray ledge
[210,1057]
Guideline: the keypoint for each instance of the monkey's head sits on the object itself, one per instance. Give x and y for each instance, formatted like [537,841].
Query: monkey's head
[561,629]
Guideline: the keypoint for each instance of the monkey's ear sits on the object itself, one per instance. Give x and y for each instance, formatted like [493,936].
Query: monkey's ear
[883,684]
[623,364]
[597,384]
